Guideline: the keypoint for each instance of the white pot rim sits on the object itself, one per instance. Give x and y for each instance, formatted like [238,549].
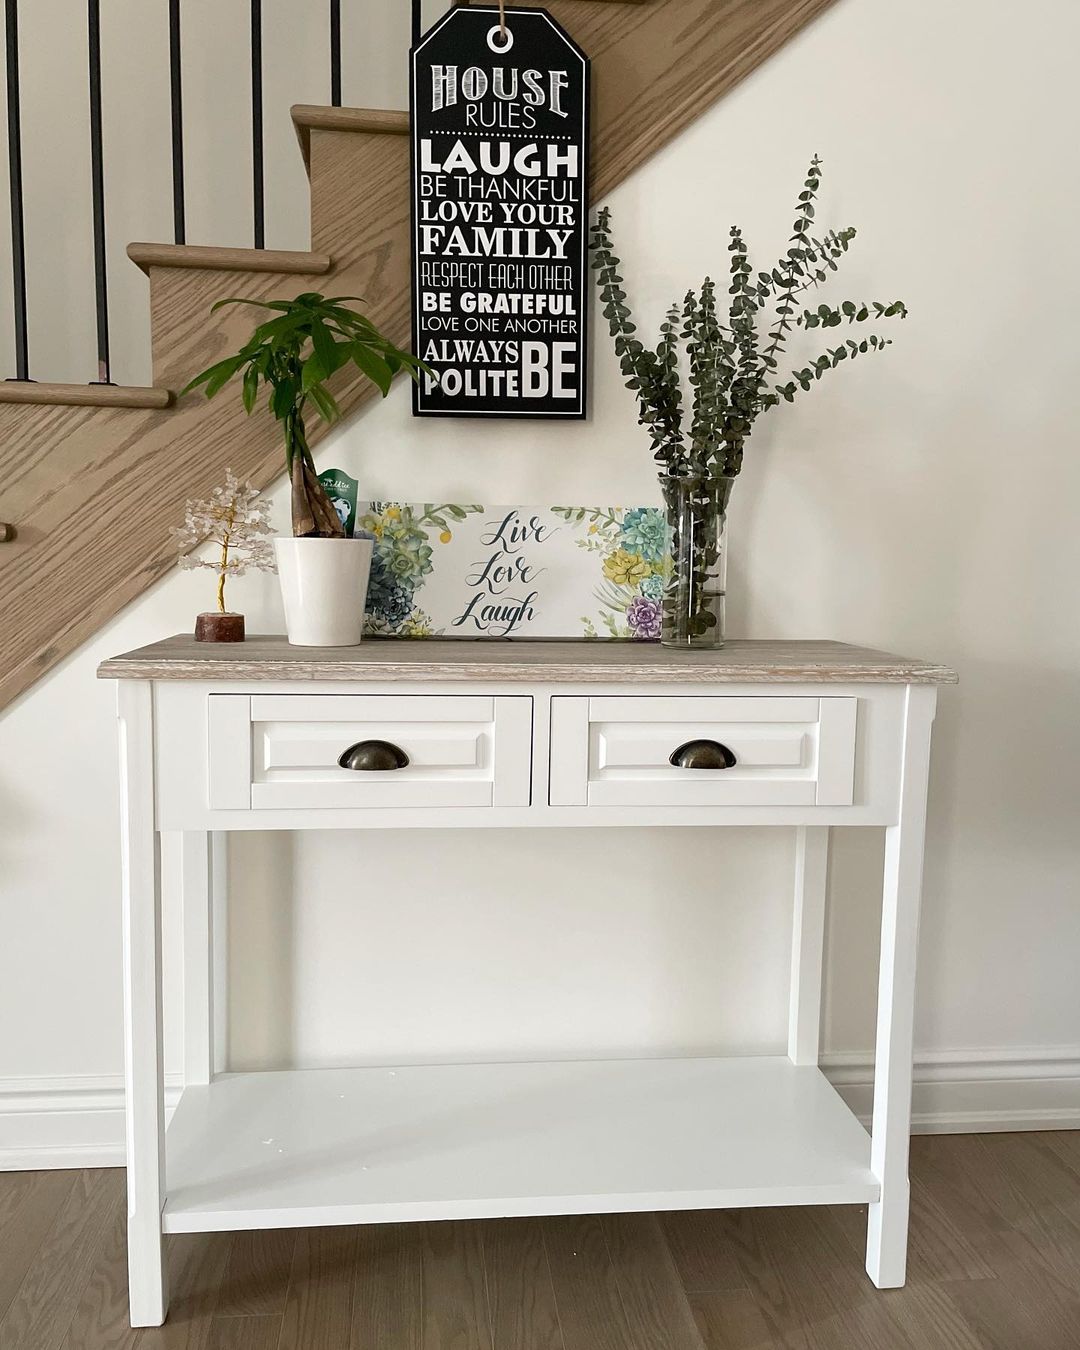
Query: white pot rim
[316,539]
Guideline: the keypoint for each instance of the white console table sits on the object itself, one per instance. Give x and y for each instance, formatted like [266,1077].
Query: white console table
[804,735]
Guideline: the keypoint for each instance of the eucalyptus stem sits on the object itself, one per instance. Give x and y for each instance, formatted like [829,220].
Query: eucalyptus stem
[731,365]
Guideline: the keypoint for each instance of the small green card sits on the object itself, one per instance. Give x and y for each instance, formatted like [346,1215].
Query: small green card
[341,488]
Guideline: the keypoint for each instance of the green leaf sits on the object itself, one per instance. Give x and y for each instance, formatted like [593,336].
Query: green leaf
[314,372]
[216,375]
[280,327]
[323,345]
[325,402]
[282,399]
[250,389]
[373,366]
[283,305]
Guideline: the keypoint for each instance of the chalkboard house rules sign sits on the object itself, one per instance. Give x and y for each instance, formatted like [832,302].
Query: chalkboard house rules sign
[499,197]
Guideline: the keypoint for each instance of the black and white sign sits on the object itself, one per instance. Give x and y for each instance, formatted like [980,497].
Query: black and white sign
[499,201]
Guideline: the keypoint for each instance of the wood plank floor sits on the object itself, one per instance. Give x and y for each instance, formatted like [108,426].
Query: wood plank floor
[995,1265]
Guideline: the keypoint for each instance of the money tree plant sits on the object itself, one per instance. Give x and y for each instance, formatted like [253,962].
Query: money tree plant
[293,355]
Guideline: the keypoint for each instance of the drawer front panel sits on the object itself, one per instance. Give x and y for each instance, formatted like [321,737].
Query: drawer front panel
[787,751]
[281,751]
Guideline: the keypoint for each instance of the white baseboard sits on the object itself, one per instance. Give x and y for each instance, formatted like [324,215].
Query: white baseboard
[79,1122]
[974,1091]
[66,1122]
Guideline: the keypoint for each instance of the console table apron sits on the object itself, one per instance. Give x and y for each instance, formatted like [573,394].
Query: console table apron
[409,735]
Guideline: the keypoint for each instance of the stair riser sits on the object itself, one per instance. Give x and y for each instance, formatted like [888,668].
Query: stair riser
[361,178]
[188,338]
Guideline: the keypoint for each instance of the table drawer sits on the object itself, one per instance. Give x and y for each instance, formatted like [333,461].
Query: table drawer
[779,751]
[273,752]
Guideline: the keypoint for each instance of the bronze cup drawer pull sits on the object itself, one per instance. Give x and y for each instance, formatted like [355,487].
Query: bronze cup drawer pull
[368,756]
[702,755]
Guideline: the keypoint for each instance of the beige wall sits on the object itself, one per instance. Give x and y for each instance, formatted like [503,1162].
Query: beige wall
[922,501]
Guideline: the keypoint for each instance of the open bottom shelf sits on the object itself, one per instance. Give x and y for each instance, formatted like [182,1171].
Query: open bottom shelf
[377,1145]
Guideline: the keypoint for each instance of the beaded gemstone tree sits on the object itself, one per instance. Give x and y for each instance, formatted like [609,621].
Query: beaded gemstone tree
[237,521]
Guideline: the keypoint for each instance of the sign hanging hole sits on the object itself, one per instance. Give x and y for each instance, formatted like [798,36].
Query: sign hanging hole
[503,46]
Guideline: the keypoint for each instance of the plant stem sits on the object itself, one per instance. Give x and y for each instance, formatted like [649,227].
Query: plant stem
[312,512]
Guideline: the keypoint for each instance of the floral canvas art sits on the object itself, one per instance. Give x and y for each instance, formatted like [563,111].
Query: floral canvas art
[471,571]
[633,547]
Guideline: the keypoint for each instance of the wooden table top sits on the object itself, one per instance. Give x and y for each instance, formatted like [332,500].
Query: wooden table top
[270,657]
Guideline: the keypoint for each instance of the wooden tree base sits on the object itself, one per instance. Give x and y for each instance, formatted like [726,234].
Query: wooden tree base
[216,627]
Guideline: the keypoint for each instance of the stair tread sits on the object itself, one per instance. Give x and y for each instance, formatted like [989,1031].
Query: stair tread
[616,2]
[85,395]
[294,261]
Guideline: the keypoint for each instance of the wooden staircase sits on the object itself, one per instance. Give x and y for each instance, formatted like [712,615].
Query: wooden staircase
[92,476]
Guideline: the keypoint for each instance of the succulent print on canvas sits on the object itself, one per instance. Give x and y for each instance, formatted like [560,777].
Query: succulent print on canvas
[633,545]
[401,559]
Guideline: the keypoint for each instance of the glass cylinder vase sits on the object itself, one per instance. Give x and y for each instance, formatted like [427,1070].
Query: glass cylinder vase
[693,605]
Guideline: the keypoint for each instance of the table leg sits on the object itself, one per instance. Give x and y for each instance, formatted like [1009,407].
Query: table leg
[219,950]
[807,943]
[143,1070]
[196,909]
[886,1236]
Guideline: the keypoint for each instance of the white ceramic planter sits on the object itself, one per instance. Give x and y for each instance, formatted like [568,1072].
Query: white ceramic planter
[324,587]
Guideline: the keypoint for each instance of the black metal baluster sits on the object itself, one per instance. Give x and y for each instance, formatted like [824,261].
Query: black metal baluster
[257,185]
[18,234]
[417,22]
[335,53]
[97,176]
[176,96]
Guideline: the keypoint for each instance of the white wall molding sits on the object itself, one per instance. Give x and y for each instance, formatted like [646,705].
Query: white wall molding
[66,1122]
[975,1091]
[79,1122]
